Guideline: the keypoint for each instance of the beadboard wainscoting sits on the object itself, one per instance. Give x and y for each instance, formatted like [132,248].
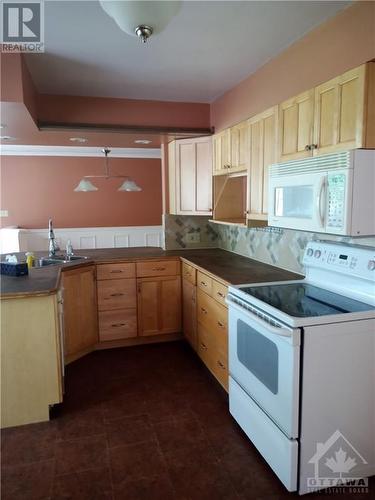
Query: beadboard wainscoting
[86,238]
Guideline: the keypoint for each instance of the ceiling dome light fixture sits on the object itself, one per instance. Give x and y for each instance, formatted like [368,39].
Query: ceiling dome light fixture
[141,18]
[85,186]
[78,139]
[142,141]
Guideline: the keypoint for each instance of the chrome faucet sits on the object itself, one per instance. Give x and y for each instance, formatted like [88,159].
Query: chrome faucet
[53,247]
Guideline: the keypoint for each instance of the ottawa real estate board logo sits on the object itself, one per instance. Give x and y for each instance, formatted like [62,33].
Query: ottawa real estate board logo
[22,26]
[337,467]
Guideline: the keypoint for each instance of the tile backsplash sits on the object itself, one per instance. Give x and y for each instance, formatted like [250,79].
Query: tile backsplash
[280,247]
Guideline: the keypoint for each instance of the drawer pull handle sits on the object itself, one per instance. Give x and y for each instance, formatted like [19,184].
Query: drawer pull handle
[221,365]
[204,283]
[204,311]
[116,271]
[118,325]
[222,295]
[220,324]
[118,294]
[203,346]
[158,268]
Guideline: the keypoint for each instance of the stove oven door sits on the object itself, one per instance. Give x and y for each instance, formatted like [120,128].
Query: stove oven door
[264,359]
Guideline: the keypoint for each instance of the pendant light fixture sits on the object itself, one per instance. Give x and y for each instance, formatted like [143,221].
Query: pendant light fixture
[141,18]
[85,185]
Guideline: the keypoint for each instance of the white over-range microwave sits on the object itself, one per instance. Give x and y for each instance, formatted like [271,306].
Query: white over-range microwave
[332,194]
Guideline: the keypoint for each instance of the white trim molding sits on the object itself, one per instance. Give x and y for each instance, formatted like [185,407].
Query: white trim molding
[32,150]
[85,238]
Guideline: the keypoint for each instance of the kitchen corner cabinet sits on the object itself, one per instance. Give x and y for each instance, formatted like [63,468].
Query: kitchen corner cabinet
[334,116]
[158,297]
[80,312]
[231,150]
[190,176]
[263,135]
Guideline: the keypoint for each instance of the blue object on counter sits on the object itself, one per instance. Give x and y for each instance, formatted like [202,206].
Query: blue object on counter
[14,268]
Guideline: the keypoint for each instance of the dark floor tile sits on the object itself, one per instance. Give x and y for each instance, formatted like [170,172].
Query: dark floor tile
[28,481]
[94,484]
[212,413]
[28,443]
[197,454]
[162,405]
[179,433]
[227,438]
[77,424]
[81,454]
[155,488]
[128,405]
[129,430]
[136,461]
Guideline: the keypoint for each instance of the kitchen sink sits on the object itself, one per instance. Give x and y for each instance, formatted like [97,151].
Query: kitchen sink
[58,259]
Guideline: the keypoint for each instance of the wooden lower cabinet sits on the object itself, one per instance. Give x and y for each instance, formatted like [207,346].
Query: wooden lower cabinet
[80,312]
[159,305]
[118,324]
[189,312]
[212,319]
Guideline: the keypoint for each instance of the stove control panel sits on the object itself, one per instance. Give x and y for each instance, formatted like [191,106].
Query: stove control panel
[345,259]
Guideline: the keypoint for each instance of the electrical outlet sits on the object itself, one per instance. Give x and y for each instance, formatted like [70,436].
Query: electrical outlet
[192,238]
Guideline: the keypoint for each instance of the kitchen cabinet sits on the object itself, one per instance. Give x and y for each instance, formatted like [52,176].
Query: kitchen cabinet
[231,150]
[262,154]
[230,199]
[159,305]
[158,297]
[80,312]
[343,117]
[117,301]
[190,176]
[334,116]
[189,312]
[31,359]
[295,127]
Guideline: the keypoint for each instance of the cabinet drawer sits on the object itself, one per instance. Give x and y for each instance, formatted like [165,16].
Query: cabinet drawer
[204,282]
[204,348]
[219,292]
[158,268]
[189,273]
[220,370]
[120,324]
[211,315]
[115,271]
[116,294]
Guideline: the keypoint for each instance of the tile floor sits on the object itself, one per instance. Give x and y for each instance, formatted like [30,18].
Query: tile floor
[140,423]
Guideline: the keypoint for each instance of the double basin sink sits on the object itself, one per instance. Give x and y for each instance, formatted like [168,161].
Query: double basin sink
[57,260]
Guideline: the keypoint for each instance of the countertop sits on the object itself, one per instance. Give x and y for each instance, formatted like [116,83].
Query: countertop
[229,267]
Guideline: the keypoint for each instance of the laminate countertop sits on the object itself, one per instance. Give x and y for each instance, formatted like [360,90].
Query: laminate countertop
[228,267]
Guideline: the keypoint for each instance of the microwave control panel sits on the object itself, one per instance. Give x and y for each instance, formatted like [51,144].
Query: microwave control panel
[336,200]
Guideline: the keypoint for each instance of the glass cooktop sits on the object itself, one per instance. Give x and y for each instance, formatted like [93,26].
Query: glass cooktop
[302,300]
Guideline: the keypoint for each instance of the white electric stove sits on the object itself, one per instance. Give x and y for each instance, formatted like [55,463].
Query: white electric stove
[302,367]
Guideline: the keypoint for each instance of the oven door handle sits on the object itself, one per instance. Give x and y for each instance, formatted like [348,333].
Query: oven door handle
[282,332]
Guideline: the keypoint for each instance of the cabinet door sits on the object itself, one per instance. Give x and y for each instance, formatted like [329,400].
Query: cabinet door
[296,118]
[189,312]
[80,311]
[203,155]
[339,112]
[239,147]
[221,142]
[262,155]
[186,177]
[159,305]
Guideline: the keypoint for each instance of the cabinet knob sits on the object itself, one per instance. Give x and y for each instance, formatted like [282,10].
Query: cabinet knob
[314,146]
[118,325]
[220,324]
[203,346]
[222,295]
[308,147]
[203,283]
[204,311]
[221,365]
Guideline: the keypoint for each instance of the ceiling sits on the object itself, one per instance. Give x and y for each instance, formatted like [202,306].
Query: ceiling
[207,48]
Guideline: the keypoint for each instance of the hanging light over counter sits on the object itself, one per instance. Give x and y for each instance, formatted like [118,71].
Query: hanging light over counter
[85,185]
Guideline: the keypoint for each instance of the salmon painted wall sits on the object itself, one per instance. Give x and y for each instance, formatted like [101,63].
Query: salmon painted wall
[341,43]
[36,188]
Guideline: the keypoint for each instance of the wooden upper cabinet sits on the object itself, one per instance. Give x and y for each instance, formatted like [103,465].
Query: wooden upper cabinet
[159,305]
[239,148]
[190,176]
[342,120]
[221,152]
[263,135]
[80,311]
[296,120]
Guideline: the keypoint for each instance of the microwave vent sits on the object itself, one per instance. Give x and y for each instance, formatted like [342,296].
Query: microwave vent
[314,164]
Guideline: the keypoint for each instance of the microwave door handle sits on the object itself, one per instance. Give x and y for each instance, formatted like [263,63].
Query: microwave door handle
[281,332]
[320,201]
